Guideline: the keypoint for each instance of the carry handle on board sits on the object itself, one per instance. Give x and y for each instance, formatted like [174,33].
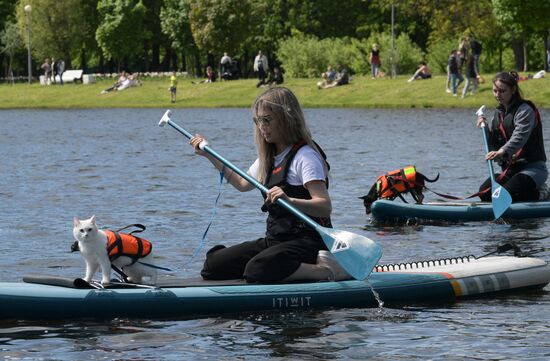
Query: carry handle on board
[355,253]
[500,197]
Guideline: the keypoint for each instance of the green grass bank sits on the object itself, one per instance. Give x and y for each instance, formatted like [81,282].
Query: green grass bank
[362,92]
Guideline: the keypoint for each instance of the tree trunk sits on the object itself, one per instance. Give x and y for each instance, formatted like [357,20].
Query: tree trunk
[183,60]
[547,52]
[3,66]
[198,64]
[146,65]
[83,62]
[524,52]
[10,70]
[174,62]
[155,61]
[168,56]
[517,47]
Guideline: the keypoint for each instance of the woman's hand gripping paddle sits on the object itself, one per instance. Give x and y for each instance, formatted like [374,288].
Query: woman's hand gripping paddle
[500,197]
[356,254]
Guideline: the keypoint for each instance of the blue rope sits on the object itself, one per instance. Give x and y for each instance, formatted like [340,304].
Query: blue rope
[154,266]
[203,239]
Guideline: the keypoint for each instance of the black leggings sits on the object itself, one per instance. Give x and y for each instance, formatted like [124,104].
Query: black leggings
[261,260]
[521,187]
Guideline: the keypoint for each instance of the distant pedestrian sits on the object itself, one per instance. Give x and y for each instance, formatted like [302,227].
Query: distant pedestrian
[454,71]
[54,70]
[173,86]
[47,71]
[471,76]
[374,60]
[476,52]
[225,64]
[60,70]
[261,67]
[463,52]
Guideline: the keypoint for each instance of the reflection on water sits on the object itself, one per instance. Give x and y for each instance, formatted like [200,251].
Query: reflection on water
[118,165]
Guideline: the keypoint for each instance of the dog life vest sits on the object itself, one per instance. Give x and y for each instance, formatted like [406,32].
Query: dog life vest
[392,184]
[120,244]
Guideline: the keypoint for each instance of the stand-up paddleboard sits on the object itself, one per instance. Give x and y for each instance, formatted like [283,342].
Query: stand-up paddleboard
[46,297]
[385,210]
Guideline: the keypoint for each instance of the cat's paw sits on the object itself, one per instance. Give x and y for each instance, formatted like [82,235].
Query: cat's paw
[105,282]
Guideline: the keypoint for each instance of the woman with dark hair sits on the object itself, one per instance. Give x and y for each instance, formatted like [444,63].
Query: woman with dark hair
[293,167]
[516,142]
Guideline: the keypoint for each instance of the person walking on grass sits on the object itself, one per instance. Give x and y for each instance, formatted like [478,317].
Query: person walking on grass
[471,76]
[454,71]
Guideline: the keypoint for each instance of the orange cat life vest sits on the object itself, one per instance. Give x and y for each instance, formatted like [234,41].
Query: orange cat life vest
[120,244]
[398,181]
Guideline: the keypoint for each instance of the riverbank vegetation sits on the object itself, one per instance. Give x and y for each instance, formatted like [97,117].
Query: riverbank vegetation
[362,92]
[301,36]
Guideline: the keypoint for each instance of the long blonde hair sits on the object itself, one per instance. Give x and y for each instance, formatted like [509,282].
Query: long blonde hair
[284,104]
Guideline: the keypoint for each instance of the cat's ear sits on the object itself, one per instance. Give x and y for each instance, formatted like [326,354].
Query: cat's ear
[76,221]
[93,220]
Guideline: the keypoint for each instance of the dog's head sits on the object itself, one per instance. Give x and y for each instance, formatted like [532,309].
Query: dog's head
[369,199]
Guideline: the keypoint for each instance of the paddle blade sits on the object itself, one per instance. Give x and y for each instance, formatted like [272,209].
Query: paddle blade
[355,253]
[501,200]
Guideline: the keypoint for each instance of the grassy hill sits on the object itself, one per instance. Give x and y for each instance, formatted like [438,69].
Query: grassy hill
[362,92]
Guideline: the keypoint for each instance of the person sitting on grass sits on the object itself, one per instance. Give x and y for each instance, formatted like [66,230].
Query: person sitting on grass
[423,72]
[276,77]
[342,78]
[121,80]
[210,76]
[328,77]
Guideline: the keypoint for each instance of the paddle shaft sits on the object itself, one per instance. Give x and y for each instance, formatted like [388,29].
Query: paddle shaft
[489,161]
[500,197]
[250,179]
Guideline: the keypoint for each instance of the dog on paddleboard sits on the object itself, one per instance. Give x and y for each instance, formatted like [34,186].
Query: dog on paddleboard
[104,249]
[396,183]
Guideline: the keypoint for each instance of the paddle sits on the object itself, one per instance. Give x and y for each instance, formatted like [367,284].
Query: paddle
[500,196]
[355,253]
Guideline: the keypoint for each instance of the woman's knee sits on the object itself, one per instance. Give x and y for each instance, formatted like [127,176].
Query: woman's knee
[522,188]
[270,268]
[213,264]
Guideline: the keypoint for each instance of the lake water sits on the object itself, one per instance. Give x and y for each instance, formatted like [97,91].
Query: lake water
[119,165]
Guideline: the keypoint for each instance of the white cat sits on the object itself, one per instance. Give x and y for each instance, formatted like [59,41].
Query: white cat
[93,243]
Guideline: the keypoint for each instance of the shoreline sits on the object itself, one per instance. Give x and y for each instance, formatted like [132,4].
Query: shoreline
[362,92]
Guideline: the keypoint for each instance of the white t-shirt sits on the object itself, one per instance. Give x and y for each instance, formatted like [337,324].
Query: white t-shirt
[225,60]
[306,166]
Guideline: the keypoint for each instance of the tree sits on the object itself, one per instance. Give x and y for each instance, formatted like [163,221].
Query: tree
[11,41]
[116,34]
[7,9]
[220,25]
[174,23]
[523,17]
[59,28]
